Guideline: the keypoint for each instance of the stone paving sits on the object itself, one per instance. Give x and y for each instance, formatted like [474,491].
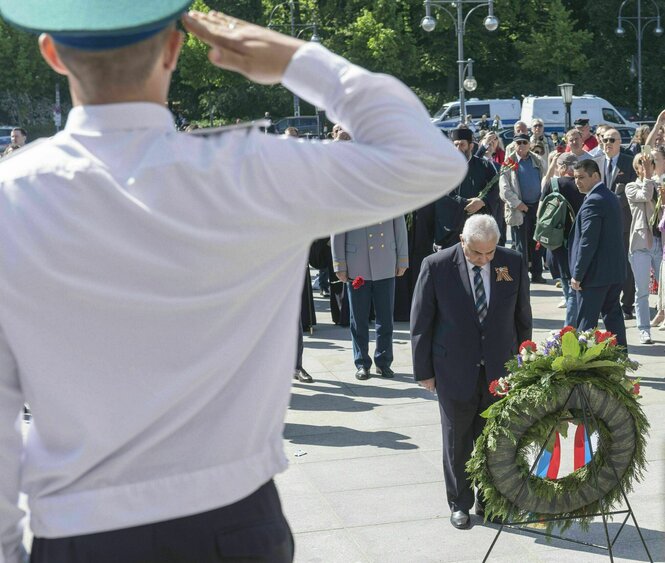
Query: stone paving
[365,483]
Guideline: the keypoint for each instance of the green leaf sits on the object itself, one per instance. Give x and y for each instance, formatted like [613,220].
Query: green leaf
[604,364]
[494,409]
[594,351]
[567,363]
[570,345]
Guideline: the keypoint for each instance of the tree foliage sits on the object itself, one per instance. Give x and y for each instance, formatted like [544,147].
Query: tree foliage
[539,44]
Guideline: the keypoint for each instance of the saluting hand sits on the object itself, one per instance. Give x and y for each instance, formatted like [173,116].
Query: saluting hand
[255,52]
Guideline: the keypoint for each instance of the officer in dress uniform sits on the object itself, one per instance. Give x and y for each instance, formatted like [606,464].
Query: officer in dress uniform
[377,254]
[149,301]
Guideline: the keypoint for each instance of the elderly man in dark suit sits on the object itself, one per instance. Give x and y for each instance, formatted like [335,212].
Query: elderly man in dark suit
[597,268]
[616,171]
[470,312]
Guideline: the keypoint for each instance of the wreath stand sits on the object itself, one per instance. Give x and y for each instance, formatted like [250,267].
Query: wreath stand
[587,416]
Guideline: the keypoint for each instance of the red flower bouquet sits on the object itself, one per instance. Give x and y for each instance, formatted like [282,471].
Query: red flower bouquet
[358,282]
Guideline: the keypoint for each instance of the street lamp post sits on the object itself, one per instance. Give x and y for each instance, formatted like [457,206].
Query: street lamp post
[465,76]
[639,23]
[567,95]
[293,26]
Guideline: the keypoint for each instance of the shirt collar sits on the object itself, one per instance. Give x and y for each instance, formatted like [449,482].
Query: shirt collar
[118,117]
[470,265]
[613,159]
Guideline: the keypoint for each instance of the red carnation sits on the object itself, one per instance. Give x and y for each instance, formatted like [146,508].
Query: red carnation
[601,336]
[529,345]
[510,163]
[499,387]
[566,329]
[358,282]
[636,388]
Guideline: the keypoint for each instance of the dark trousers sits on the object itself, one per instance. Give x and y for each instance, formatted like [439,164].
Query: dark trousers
[628,289]
[382,294]
[524,243]
[251,530]
[595,301]
[461,424]
[299,348]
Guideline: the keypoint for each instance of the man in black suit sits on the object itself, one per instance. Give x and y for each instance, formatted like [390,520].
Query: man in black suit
[598,270]
[616,170]
[470,312]
[453,209]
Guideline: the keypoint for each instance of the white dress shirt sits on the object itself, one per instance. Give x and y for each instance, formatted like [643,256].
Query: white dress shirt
[150,287]
[485,275]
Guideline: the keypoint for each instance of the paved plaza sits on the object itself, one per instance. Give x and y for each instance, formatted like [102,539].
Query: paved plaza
[365,482]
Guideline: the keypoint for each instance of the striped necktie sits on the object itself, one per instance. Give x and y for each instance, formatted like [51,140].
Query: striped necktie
[479,289]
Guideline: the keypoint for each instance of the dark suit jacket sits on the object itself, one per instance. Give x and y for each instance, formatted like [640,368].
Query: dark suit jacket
[597,256]
[449,214]
[447,339]
[624,174]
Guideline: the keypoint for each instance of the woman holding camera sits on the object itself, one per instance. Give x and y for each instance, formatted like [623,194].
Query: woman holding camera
[642,251]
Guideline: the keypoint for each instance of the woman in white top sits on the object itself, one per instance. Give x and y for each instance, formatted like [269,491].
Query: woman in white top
[642,250]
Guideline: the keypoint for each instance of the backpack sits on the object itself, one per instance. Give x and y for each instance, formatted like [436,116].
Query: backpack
[550,229]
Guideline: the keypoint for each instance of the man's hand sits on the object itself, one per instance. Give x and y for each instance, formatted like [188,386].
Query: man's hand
[575,285]
[522,207]
[342,276]
[399,271]
[429,384]
[474,205]
[489,140]
[255,52]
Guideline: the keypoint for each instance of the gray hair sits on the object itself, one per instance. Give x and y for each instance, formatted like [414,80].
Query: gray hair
[482,228]
[520,123]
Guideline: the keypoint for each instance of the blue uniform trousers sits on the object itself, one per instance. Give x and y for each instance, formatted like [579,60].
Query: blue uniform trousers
[382,293]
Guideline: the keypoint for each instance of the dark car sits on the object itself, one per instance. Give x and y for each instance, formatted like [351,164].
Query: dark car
[307,125]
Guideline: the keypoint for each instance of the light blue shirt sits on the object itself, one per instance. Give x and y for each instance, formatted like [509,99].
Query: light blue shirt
[529,179]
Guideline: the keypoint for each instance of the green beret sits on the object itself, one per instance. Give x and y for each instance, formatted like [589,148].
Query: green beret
[87,18]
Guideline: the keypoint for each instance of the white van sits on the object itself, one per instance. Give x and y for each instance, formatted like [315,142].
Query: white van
[448,117]
[552,111]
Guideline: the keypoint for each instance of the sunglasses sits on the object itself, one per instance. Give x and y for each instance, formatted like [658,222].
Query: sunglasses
[521,142]
[610,140]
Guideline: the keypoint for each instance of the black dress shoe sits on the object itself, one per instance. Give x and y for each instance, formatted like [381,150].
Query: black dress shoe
[479,509]
[385,372]
[303,376]
[362,373]
[460,519]
[628,315]
[540,280]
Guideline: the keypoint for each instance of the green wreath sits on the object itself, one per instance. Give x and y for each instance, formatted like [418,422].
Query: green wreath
[537,397]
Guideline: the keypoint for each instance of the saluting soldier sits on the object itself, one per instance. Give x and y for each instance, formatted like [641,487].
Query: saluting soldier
[149,301]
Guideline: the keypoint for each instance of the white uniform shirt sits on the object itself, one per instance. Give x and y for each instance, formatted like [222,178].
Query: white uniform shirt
[150,287]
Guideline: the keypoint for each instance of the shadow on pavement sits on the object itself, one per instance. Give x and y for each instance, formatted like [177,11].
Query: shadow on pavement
[328,402]
[654,383]
[628,545]
[342,436]
[336,390]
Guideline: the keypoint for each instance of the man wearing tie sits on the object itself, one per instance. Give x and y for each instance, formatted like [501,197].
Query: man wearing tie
[598,271]
[616,169]
[470,312]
